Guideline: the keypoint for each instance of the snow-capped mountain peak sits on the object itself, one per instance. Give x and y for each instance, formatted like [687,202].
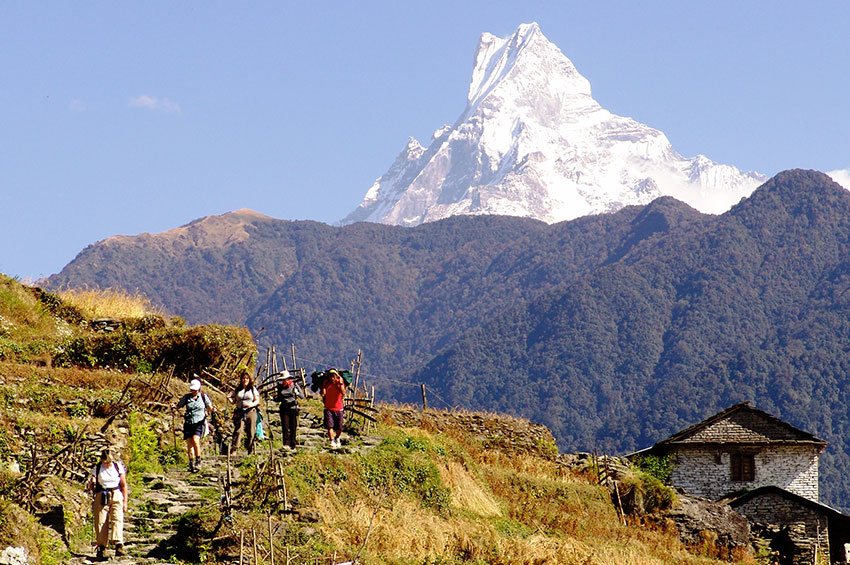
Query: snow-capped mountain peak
[533,142]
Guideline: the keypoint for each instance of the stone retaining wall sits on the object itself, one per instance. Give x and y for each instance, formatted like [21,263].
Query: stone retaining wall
[505,432]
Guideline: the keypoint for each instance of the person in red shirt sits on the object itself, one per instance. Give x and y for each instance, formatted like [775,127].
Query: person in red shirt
[333,392]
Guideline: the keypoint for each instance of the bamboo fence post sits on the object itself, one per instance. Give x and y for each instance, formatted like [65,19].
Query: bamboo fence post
[241,546]
[254,539]
[283,482]
[271,539]
[620,510]
[269,362]
[357,372]
[174,431]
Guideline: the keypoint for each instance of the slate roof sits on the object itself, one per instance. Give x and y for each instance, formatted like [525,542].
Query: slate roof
[738,499]
[742,424]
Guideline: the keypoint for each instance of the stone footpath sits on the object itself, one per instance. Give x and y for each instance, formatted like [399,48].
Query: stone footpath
[150,518]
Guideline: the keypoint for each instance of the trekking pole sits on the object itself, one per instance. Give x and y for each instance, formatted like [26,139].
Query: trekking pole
[93,522]
[174,430]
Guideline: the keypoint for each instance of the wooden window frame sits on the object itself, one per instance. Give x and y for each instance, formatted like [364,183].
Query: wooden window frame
[743,467]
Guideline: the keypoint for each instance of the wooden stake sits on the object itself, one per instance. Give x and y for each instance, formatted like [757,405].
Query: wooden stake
[283,482]
[174,431]
[620,510]
[241,546]
[271,539]
[254,536]
[424,399]
[357,372]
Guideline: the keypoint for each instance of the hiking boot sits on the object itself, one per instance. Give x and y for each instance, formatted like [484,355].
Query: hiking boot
[119,550]
[192,466]
[197,463]
[98,556]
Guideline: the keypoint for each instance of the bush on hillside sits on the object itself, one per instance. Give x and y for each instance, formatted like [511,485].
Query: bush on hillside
[146,346]
[658,466]
[642,493]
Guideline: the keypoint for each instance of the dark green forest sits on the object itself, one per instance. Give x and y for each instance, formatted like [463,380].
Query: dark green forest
[615,330]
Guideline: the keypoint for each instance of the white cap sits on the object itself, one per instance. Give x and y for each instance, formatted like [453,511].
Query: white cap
[195,384]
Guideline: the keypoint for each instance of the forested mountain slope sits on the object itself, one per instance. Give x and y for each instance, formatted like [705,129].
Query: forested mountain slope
[751,305]
[400,294]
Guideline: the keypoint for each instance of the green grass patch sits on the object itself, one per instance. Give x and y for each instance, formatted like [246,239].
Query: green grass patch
[402,464]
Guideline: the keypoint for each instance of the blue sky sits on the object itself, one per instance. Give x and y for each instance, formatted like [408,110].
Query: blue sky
[123,118]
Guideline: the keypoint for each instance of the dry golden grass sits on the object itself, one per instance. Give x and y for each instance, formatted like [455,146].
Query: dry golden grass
[109,303]
[405,533]
[505,509]
[467,493]
[90,379]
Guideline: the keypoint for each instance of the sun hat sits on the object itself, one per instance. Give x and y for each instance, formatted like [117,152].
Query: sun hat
[195,384]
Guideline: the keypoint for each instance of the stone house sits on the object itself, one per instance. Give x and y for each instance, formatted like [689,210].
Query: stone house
[767,470]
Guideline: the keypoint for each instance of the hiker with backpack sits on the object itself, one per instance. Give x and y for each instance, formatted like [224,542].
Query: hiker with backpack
[287,393]
[246,398]
[108,484]
[333,393]
[195,425]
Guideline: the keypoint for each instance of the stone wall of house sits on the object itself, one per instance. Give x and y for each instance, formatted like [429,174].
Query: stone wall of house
[706,470]
[807,529]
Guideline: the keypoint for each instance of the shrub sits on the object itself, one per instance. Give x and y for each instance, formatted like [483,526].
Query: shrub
[660,467]
[146,454]
[141,347]
[644,493]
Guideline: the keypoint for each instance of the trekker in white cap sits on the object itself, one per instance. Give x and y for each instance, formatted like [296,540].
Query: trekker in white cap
[194,421]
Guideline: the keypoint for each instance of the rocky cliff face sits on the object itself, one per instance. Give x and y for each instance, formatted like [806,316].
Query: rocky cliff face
[533,142]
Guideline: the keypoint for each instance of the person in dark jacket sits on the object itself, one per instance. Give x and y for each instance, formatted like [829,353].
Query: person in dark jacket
[288,393]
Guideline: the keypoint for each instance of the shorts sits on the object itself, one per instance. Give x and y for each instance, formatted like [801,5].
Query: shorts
[196,429]
[333,420]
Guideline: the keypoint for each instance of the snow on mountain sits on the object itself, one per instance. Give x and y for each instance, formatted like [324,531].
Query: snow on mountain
[533,142]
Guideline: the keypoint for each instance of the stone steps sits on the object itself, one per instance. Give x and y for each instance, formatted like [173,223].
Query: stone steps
[150,518]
